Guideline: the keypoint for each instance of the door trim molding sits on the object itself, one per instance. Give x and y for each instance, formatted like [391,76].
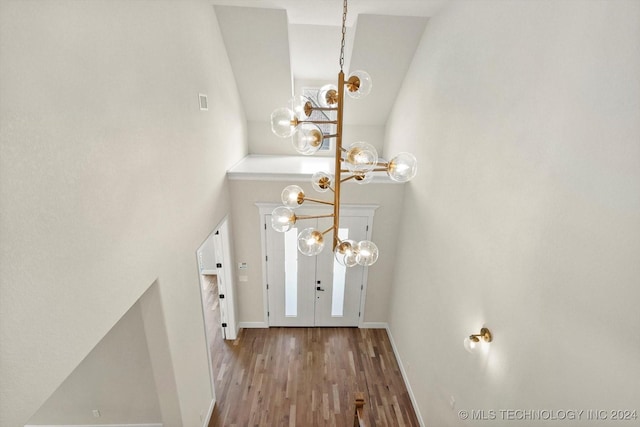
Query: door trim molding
[266,208]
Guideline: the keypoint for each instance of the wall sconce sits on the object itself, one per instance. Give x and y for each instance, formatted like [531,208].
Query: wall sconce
[471,343]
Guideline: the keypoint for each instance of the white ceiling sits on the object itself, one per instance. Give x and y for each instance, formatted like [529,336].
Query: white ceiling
[329,12]
[276,45]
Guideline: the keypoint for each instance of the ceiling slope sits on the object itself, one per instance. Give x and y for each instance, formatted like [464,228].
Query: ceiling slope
[384,46]
[257,44]
[267,55]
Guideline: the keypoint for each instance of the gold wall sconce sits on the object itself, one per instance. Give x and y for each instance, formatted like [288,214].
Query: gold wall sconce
[472,342]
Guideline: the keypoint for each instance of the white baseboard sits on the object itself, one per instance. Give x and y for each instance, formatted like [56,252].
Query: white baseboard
[253,325]
[405,378]
[209,413]
[94,425]
[375,325]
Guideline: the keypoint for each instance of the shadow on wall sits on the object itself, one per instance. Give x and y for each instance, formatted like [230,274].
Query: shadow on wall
[116,382]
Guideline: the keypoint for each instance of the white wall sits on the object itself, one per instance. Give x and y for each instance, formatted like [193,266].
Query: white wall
[110,178]
[525,214]
[247,232]
[116,378]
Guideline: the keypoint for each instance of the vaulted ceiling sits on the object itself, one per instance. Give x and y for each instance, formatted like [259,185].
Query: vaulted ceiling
[276,47]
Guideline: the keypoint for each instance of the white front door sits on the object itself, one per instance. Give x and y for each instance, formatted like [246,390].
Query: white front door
[312,291]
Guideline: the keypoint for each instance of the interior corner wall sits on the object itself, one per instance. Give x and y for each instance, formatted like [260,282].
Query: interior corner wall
[110,178]
[115,378]
[155,330]
[525,213]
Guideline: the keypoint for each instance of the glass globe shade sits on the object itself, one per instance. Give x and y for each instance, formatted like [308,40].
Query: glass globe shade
[292,196]
[328,96]
[350,259]
[308,139]
[363,178]
[358,84]
[321,181]
[310,242]
[282,219]
[346,254]
[367,253]
[284,122]
[361,157]
[470,345]
[301,107]
[402,167]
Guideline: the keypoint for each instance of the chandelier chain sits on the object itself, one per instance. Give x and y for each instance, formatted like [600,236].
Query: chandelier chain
[344,32]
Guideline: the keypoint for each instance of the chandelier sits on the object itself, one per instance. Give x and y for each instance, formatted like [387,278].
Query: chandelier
[358,162]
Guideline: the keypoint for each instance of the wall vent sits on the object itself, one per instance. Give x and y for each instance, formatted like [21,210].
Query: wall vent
[204,103]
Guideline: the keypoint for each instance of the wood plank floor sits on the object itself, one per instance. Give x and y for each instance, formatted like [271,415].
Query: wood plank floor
[308,377]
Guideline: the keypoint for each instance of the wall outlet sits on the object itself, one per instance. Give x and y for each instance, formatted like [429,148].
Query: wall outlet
[96,413]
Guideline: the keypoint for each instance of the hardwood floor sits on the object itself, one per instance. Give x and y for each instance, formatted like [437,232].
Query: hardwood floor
[308,377]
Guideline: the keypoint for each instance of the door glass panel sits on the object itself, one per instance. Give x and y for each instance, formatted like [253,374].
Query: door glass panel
[291,273]
[339,276]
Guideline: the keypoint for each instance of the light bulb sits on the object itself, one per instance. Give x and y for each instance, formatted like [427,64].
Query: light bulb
[475,343]
[361,157]
[402,167]
[310,242]
[284,122]
[328,96]
[363,178]
[301,106]
[282,219]
[321,181]
[308,139]
[292,196]
[366,253]
[470,345]
[358,84]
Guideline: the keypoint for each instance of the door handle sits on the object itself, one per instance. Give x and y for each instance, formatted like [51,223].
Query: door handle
[318,288]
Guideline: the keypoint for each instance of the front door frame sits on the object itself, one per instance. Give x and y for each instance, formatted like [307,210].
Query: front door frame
[364,210]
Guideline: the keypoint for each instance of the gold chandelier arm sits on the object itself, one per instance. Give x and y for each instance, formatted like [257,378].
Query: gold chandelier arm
[348,178]
[318,201]
[327,230]
[334,135]
[313,216]
[379,170]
